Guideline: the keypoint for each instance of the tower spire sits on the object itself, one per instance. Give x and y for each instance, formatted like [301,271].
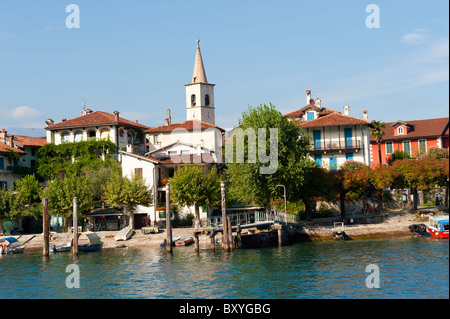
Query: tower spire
[199,75]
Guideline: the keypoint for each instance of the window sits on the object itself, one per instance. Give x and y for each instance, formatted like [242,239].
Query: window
[333,163]
[389,148]
[207,100]
[422,146]
[2,163]
[138,172]
[78,137]
[33,152]
[407,147]
[318,159]
[155,139]
[349,156]
[65,138]
[193,100]
[33,163]
[92,135]
[400,130]
[309,116]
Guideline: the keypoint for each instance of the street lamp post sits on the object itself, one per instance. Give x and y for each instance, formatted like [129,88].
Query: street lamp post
[285,212]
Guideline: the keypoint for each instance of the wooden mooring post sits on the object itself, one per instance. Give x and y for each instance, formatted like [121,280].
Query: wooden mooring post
[45,227]
[169,247]
[75,227]
[225,242]
[279,229]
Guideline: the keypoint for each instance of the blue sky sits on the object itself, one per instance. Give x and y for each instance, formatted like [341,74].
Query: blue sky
[135,57]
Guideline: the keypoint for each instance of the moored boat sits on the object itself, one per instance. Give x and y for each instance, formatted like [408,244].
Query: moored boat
[124,234]
[61,248]
[438,226]
[185,241]
[163,244]
[89,241]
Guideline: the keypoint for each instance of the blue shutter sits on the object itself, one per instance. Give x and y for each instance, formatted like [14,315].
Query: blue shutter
[349,156]
[316,136]
[2,163]
[333,163]
[318,159]
[348,137]
[310,116]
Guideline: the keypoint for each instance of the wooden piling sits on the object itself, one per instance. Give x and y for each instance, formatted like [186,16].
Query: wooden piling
[225,242]
[238,237]
[230,235]
[279,229]
[213,241]
[75,227]
[45,226]
[197,242]
[168,221]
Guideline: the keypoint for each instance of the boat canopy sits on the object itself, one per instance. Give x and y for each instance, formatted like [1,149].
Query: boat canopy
[439,222]
[90,238]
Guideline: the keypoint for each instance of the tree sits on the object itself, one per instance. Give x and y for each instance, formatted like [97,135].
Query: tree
[351,176]
[382,177]
[191,187]
[98,173]
[318,183]
[419,174]
[127,193]
[288,154]
[5,207]
[60,194]
[26,196]
[398,155]
[378,132]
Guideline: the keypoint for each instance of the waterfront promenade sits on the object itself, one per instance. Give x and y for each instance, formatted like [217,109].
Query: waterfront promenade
[389,224]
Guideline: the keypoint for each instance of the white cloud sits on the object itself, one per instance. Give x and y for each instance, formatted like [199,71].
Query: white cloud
[24,112]
[413,38]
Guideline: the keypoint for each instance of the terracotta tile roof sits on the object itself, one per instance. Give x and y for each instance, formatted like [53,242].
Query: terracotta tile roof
[418,128]
[188,125]
[175,159]
[30,141]
[301,112]
[94,119]
[334,119]
[7,149]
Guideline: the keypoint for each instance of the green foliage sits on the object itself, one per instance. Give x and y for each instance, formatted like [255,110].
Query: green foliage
[58,158]
[437,153]
[127,193]
[190,186]
[98,174]
[398,155]
[60,194]
[26,194]
[248,185]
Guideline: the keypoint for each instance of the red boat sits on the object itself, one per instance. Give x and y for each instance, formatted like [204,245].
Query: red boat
[438,226]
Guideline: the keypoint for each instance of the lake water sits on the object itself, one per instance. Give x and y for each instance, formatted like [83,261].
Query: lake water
[408,268]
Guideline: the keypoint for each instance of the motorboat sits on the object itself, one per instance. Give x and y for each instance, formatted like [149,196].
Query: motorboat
[439,226]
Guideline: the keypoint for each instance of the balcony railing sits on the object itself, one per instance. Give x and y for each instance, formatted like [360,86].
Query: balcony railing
[343,145]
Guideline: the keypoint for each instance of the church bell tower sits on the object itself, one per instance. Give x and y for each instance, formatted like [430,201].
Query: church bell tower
[200,93]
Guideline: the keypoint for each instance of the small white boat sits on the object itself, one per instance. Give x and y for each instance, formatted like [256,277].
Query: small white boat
[60,248]
[89,241]
[124,234]
[185,241]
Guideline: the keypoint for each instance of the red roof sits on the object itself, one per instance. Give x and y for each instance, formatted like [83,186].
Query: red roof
[95,119]
[417,129]
[322,111]
[334,119]
[7,149]
[177,159]
[30,141]
[188,125]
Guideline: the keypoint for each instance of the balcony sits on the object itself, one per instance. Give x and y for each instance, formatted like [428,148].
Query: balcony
[343,145]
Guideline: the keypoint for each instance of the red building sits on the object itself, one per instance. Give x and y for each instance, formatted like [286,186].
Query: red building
[412,137]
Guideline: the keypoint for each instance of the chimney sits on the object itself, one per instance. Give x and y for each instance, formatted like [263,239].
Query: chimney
[49,122]
[317,103]
[11,140]
[346,109]
[3,136]
[169,118]
[63,120]
[308,97]
[116,113]
[365,115]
